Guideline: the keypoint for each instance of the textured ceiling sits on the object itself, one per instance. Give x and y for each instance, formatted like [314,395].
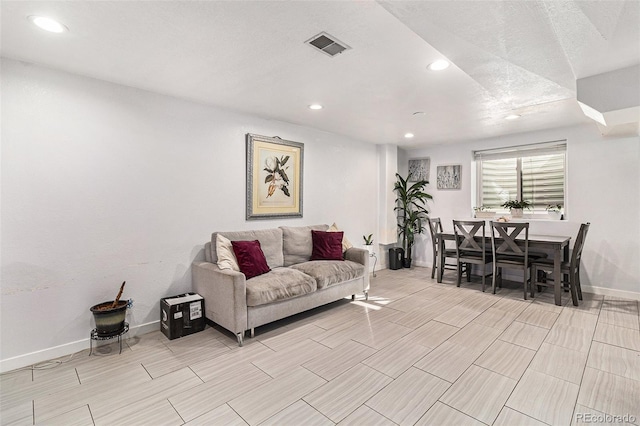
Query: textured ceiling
[508,56]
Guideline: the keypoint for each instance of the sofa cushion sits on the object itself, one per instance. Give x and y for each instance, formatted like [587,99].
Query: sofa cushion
[329,272]
[346,244]
[297,244]
[207,252]
[279,284]
[250,258]
[270,242]
[326,245]
[226,256]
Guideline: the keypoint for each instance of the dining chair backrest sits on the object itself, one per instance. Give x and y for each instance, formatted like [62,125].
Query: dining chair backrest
[579,244]
[435,227]
[470,235]
[503,239]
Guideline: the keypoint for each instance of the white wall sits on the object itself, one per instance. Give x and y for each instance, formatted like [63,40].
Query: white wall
[388,163]
[603,187]
[103,183]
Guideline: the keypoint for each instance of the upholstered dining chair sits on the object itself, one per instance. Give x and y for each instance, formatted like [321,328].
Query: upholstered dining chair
[435,228]
[471,247]
[509,253]
[569,269]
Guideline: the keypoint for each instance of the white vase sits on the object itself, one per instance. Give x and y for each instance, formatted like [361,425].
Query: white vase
[516,213]
[369,248]
[554,215]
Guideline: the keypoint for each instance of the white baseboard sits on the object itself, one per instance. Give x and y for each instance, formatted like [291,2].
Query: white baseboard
[623,294]
[32,358]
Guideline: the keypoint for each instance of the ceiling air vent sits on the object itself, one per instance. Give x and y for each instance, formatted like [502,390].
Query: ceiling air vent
[327,44]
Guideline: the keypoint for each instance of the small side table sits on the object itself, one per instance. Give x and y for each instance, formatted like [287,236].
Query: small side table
[375,260]
[94,336]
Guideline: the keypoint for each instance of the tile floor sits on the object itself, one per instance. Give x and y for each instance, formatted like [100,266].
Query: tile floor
[417,352]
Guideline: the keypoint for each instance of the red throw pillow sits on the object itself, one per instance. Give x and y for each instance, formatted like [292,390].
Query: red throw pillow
[326,245]
[250,257]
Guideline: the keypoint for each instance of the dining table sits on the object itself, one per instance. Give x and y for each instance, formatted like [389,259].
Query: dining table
[558,245]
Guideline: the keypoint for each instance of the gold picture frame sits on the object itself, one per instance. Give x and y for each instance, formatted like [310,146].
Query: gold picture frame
[274,177]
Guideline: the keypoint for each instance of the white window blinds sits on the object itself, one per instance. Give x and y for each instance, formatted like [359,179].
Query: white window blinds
[543,180]
[499,182]
[535,173]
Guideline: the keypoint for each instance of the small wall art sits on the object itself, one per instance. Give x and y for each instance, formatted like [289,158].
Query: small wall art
[274,177]
[419,169]
[449,177]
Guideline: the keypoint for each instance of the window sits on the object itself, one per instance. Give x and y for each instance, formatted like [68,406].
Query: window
[535,173]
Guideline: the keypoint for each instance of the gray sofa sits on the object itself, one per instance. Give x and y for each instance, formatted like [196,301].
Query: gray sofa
[294,284]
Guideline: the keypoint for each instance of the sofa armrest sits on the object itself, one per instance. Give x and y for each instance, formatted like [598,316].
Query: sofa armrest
[360,256]
[225,295]
[357,255]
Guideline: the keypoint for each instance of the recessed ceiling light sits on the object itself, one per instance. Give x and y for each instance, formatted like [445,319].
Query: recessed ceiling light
[512,117]
[48,24]
[439,65]
[315,106]
[408,135]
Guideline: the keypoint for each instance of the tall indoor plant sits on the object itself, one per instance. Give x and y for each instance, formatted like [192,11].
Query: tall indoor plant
[411,208]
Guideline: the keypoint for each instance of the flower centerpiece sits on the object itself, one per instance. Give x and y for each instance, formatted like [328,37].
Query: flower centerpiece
[483,212]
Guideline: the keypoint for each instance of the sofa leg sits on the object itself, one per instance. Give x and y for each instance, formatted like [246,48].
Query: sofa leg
[253,332]
[240,337]
[353,297]
[366,295]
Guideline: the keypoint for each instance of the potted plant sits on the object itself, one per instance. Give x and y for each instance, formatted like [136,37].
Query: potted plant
[516,207]
[411,212]
[483,212]
[109,316]
[554,211]
[368,242]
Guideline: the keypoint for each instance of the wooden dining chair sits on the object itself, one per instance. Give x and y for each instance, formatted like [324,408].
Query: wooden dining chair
[570,269]
[509,253]
[435,228]
[471,247]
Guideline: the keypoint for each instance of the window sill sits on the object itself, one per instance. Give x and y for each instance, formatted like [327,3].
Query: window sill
[526,217]
[537,219]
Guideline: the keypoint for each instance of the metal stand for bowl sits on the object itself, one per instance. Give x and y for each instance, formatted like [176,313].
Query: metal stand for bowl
[375,260]
[94,336]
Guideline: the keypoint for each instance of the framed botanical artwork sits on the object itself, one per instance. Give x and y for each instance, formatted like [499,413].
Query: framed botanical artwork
[274,177]
[449,177]
[419,169]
